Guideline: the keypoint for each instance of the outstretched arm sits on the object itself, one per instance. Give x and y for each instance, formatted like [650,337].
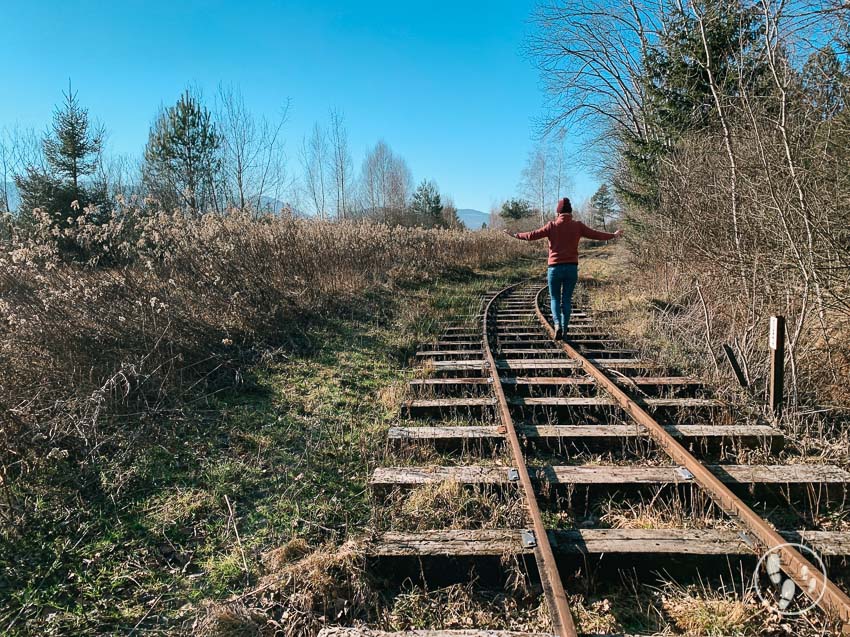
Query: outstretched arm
[534,235]
[590,233]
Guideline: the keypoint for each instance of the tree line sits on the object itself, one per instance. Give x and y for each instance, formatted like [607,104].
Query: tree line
[199,160]
[724,128]
[517,212]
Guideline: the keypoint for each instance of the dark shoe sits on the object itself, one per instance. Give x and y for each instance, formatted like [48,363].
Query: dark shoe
[559,335]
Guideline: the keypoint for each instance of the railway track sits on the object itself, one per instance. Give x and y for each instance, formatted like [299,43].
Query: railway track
[505,384]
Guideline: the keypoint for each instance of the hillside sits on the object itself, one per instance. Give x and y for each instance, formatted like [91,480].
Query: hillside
[473,219]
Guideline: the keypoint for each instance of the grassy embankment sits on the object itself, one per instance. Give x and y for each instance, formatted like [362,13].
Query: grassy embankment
[279,459]
[670,329]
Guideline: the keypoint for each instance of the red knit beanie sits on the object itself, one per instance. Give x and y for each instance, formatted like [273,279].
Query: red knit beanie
[565,207]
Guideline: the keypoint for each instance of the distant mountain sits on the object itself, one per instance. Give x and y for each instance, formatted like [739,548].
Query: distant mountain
[473,219]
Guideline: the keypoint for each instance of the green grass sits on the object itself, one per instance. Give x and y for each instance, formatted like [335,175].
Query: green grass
[289,451]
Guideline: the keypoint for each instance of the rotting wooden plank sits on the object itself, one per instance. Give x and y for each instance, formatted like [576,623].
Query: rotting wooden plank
[444,344]
[610,475]
[541,363]
[448,352]
[498,542]
[673,381]
[526,343]
[457,366]
[467,403]
[449,403]
[338,631]
[532,334]
[387,477]
[578,432]
[560,363]
[557,401]
[583,331]
[516,351]
[468,432]
[468,380]
[602,351]
[334,631]
[529,363]
[545,338]
[548,380]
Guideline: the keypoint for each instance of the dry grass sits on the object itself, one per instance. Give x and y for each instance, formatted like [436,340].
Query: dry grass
[463,606]
[695,610]
[170,309]
[300,593]
[194,365]
[663,511]
[451,505]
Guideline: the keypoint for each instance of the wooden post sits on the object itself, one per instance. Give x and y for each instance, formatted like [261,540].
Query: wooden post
[777,363]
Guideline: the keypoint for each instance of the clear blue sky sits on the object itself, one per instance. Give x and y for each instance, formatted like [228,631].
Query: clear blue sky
[444,83]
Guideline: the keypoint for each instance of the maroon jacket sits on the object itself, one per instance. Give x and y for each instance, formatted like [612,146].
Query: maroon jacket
[564,234]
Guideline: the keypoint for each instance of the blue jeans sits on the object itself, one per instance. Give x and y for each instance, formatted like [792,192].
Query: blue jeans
[562,281]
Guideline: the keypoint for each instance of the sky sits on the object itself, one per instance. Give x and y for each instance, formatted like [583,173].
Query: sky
[445,84]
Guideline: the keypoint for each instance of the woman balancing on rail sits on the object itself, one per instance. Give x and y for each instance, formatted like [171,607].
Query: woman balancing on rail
[563,233]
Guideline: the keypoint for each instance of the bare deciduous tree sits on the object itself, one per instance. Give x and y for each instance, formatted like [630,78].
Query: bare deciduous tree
[590,53]
[750,208]
[544,178]
[254,161]
[315,162]
[386,183]
[341,164]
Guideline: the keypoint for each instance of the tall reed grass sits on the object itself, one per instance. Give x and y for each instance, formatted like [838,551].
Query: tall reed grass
[155,311]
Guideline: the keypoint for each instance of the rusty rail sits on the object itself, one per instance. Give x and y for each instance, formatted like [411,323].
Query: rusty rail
[553,587]
[831,598]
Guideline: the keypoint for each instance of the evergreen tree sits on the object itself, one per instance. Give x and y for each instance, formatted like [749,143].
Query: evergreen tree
[182,159]
[72,148]
[602,207]
[824,91]
[426,205]
[677,88]
[825,84]
[516,209]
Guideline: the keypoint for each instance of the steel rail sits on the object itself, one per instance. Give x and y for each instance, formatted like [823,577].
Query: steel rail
[833,600]
[550,577]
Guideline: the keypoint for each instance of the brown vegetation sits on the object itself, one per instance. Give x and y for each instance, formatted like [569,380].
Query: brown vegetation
[724,125]
[102,360]
[86,350]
